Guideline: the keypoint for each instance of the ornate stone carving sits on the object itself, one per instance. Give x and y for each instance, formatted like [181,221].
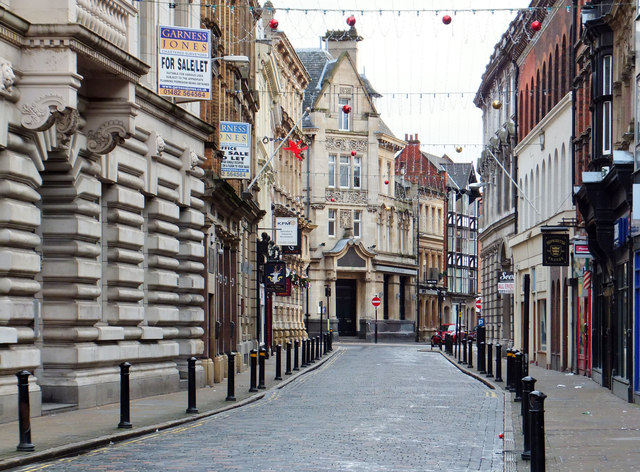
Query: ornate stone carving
[8,77]
[104,139]
[357,197]
[194,159]
[66,126]
[346,144]
[345,218]
[160,145]
[40,114]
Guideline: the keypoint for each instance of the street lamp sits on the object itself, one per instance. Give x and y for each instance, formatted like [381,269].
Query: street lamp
[234,59]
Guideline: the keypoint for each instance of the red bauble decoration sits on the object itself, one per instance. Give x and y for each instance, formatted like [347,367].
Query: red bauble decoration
[273,24]
[351,21]
[536,25]
[333,199]
[346,109]
[501,435]
[386,182]
[446,19]
[353,153]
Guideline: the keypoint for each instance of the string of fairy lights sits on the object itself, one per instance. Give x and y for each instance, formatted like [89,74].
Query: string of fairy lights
[233,4]
[426,101]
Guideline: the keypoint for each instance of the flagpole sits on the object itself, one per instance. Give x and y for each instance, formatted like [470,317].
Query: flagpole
[255,179]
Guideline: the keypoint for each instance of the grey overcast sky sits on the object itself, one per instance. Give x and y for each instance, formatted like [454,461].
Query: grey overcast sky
[428,72]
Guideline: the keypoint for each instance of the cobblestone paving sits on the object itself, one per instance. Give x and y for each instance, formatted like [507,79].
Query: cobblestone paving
[369,408]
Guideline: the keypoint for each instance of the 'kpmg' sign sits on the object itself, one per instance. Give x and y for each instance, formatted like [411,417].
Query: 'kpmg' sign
[184,62]
[235,143]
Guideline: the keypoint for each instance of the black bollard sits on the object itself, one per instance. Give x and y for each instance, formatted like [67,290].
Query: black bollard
[489,360]
[481,358]
[253,360]
[325,341]
[288,360]
[464,351]
[261,368]
[471,353]
[330,340]
[296,347]
[191,385]
[318,352]
[498,363]
[278,362]
[231,379]
[528,386]
[511,357]
[24,412]
[125,410]
[536,425]
[304,353]
[517,375]
[310,351]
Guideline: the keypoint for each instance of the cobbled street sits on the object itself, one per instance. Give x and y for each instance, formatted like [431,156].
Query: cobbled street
[368,408]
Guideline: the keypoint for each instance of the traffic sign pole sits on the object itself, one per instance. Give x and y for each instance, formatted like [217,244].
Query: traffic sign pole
[375,301]
[376,335]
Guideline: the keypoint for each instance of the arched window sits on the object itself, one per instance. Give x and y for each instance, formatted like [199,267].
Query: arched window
[550,102]
[543,92]
[543,184]
[556,83]
[537,97]
[555,183]
[536,199]
[563,69]
[522,114]
[524,204]
[527,107]
[531,108]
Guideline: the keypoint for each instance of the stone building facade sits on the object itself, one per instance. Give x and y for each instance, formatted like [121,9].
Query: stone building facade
[103,205]
[497,98]
[281,82]
[364,243]
[428,191]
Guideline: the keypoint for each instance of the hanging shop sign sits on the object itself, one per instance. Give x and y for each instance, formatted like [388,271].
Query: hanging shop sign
[235,144]
[581,248]
[286,231]
[275,276]
[506,282]
[184,62]
[287,292]
[295,249]
[555,249]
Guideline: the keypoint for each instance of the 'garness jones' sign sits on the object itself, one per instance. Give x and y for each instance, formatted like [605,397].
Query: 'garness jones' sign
[235,143]
[184,62]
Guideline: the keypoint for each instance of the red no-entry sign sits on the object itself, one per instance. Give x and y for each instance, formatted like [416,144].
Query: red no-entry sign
[375,301]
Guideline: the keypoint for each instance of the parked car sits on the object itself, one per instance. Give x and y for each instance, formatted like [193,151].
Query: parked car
[447,328]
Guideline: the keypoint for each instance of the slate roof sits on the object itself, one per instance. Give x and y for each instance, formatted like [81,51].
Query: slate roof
[319,64]
[461,174]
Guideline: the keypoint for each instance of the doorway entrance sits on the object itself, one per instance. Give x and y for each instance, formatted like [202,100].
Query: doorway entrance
[346,307]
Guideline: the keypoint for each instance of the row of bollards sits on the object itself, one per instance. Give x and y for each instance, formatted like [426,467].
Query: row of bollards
[531,409]
[532,401]
[310,349]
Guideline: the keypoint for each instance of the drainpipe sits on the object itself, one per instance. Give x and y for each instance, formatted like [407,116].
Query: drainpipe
[572,56]
[515,157]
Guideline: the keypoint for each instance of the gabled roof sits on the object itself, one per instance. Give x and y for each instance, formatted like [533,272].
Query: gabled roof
[321,66]
[460,174]
[315,61]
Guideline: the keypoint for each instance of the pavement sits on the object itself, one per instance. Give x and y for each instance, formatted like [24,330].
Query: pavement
[70,432]
[587,428]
